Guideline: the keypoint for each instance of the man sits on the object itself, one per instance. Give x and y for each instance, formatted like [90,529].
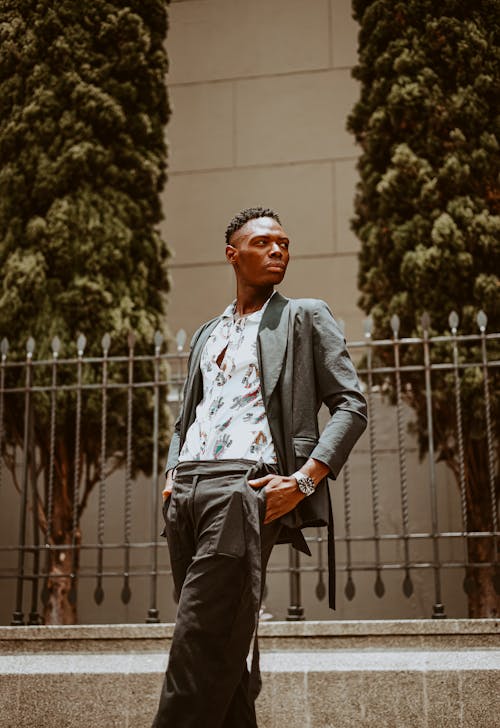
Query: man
[247,468]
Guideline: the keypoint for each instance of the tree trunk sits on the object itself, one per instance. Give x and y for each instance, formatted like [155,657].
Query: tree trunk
[481,582]
[60,606]
[60,603]
[483,600]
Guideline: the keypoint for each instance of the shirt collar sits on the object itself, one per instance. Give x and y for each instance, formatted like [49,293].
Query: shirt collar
[230,310]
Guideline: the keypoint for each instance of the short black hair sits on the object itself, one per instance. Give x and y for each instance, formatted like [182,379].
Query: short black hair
[249,213]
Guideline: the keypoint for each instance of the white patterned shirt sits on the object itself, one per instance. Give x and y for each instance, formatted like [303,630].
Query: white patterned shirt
[231,420]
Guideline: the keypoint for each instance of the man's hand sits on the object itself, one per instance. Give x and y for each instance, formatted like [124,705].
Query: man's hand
[282,494]
[169,485]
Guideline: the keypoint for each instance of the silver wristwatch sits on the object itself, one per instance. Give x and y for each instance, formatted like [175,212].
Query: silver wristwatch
[307,486]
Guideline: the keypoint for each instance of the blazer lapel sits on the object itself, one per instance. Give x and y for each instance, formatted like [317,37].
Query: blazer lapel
[199,344]
[193,390]
[272,340]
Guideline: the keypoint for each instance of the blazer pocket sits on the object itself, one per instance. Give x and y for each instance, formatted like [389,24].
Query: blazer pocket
[303,446]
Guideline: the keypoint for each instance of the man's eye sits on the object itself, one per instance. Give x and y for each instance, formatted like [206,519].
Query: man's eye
[284,245]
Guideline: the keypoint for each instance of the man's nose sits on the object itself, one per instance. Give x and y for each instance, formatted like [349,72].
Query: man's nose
[276,250]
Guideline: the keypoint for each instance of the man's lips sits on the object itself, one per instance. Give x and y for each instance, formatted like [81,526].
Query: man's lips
[279,266]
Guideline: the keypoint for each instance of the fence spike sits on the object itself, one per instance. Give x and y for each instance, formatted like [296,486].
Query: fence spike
[395,324]
[453,321]
[30,346]
[106,342]
[158,339]
[131,339]
[180,339]
[425,321]
[368,326]
[56,345]
[80,344]
[350,589]
[4,347]
[482,321]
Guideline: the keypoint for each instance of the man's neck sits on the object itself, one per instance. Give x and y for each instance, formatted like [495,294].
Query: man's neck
[249,300]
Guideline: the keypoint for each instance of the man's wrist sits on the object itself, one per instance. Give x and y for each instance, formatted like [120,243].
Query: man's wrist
[305,483]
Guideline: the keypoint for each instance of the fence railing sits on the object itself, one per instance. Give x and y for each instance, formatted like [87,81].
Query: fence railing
[76,431]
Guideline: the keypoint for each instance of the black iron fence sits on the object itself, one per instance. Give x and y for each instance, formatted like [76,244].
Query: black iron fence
[77,432]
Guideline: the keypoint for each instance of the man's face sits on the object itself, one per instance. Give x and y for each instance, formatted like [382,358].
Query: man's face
[258,252]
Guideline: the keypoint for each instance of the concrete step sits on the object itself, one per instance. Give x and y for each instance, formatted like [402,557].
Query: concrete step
[414,674]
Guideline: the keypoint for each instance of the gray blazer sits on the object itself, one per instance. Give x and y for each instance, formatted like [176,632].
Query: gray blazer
[303,363]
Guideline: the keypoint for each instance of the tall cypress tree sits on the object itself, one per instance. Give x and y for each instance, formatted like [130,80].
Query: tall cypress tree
[83,106]
[427,215]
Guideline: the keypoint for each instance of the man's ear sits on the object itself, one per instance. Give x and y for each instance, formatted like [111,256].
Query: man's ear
[231,254]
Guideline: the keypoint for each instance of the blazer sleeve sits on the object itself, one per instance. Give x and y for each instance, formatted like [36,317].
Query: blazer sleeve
[175,442]
[339,388]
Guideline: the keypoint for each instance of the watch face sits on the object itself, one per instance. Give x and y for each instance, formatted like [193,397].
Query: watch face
[306,485]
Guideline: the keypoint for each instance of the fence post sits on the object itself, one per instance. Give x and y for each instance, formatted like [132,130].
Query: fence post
[403,475]
[468,582]
[482,321]
[126,592]
[379,584]
[18,616]
[438,608]
[295,608]
[4,348]
[99,590]
[153,613]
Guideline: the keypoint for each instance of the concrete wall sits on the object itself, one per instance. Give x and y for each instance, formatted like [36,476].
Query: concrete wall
[260,94]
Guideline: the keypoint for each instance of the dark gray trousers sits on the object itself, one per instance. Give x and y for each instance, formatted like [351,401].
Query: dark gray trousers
[219,549]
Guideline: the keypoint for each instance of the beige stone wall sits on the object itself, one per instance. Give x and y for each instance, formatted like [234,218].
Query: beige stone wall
[260,94]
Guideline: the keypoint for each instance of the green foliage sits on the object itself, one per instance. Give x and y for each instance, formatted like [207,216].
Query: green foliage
[82,111]
[428,202]
[83,106]
[428,122]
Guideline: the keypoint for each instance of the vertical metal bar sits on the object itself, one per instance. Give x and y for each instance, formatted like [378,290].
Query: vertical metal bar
[153,613]
[350,589]
[56,346]
[320,585]
[4,348]
[80,345]
[34,616]
[126,592]
[99,591]
[295,608]
[438,608]
[482,321]
[18,616]
[379,584]
[468,582]
[403,476]
[180,340]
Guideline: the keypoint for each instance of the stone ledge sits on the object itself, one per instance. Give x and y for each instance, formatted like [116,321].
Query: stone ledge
[321,635]
[319,628]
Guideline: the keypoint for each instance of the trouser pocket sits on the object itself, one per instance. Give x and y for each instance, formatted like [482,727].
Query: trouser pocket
[164,510]
[262,503]
[228,535]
